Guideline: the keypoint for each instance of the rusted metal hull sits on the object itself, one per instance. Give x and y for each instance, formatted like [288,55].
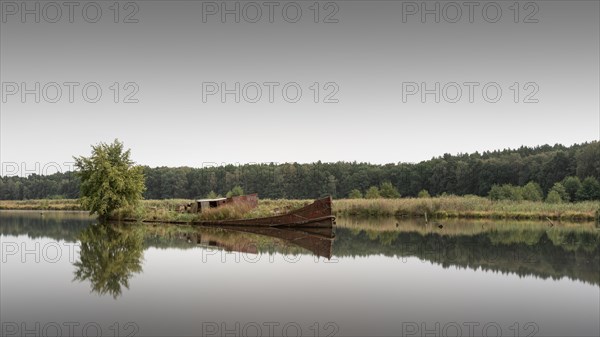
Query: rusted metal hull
[315,215]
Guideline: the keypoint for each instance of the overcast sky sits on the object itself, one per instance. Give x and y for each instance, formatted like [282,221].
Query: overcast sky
[368,58]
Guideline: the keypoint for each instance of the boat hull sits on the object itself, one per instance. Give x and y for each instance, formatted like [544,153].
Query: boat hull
[315,215]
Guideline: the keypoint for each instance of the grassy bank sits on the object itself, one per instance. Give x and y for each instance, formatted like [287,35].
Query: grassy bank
[163,209]
[167,210]
[439,207]
[468,207]
[41,204]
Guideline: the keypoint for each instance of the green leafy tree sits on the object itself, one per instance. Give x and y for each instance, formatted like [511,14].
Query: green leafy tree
[355,194]
[590,189]
[387,190]
[495,192]
[588,161]
[212,195]
[572,185]
[109,179]
[372,193]
[235,191]
[514,193]
[532,191]
[561,191]
[506,192]
[424,194]
[553,197]
[331,186]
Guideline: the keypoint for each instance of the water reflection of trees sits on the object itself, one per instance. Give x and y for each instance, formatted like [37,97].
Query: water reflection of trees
[552,253]
[37,224]
[523,248]
[109,257]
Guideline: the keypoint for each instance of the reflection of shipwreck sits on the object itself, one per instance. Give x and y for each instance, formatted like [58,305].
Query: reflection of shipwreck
[319,241]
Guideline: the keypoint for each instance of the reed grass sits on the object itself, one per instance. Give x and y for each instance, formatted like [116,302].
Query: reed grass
[467,207]
[472,207]
[41,204]
[167,210]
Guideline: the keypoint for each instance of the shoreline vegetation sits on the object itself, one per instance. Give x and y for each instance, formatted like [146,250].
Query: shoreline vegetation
[443,207]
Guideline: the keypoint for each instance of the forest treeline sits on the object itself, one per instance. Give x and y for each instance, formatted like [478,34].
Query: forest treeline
[460,174]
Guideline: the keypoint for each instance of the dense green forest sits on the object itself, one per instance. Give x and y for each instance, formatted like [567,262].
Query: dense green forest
[460,174]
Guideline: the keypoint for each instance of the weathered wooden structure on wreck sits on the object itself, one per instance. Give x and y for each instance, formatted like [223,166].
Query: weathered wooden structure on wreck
[197,206]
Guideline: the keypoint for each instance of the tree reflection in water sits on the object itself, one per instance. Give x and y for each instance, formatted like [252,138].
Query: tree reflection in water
[109,257]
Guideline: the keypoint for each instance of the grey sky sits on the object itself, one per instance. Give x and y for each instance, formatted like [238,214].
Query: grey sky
[365,62]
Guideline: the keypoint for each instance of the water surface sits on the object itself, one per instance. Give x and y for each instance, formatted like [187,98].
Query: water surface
[61,271]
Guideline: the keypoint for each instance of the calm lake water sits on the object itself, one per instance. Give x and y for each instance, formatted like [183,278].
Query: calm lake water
[63,274]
